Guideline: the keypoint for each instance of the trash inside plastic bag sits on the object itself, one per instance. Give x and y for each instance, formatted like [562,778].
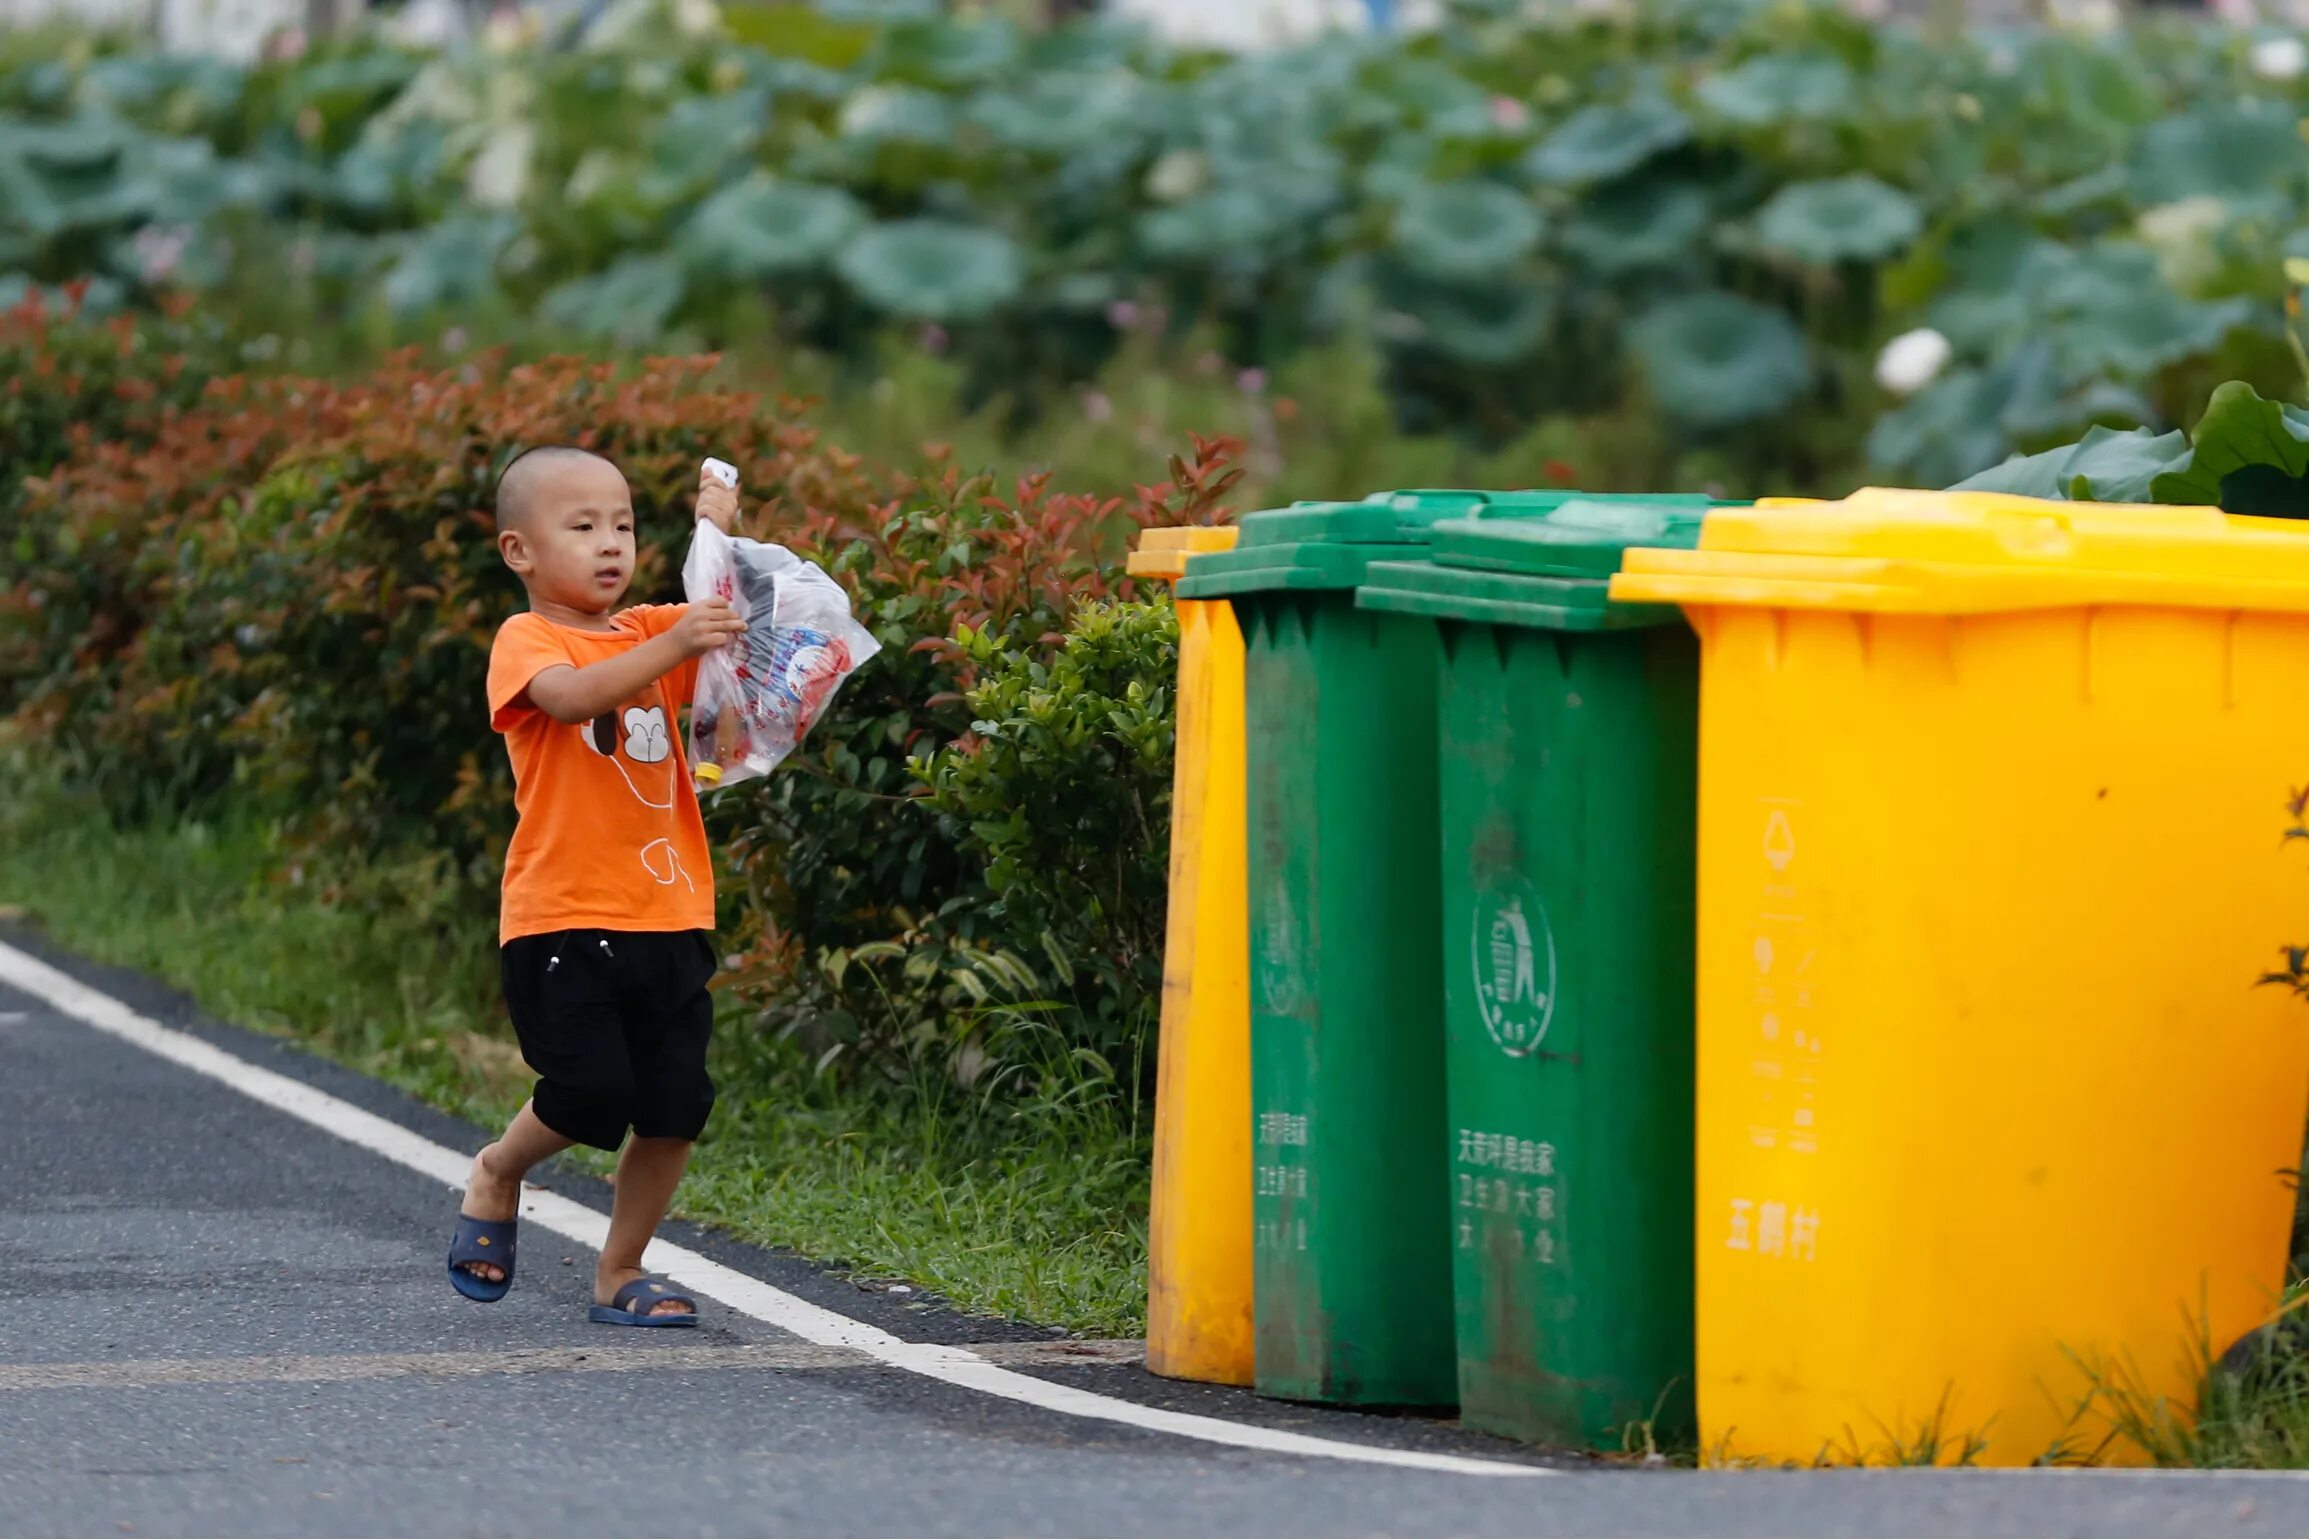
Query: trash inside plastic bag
[759,696]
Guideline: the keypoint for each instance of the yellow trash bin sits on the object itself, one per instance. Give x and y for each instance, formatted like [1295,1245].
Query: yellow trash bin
[1993,797]
[1199,1227]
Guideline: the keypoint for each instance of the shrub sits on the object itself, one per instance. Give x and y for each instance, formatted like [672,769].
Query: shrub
[873,922]
[69,383]
[1060,791]
[293,589]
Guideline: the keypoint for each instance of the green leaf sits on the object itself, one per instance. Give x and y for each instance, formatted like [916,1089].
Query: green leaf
[453,263]
[2248,455]
[2106,466]
[2113,466]
[1057,114]
[935,269]
[1639,226]
[760,226]
[1600,142]
[629,303]
[1238,220]
[1844,219]
[1716,360]
[1429,93]
[89,142]
[949,52]
[1991,266]
[1780,88]
[1466,230]
[2231,150]
[700,137]
[2109,311]
[890,114]
[1487,325]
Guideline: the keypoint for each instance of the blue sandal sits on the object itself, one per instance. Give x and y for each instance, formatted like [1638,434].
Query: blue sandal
[482,1240]
[632,1304]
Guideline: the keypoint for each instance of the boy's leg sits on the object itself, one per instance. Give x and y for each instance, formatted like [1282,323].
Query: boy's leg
[673,1095]
[493,1190]
[647,1174]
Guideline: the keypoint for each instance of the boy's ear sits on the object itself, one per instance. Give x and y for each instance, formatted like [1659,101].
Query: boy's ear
[514,552]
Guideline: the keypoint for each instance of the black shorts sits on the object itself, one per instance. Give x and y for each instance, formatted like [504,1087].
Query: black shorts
[615,1023]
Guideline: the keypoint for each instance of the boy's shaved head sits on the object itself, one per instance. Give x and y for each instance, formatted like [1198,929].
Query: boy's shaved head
[524,483]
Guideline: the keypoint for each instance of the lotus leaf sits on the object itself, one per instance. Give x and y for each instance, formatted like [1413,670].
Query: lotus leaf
[701,136]
[1490,325]
[2229,150]
[2109,311]
[1780,88]
[1428,93]
[1233,221]
[883,10]
[1639,225]
[629,303]
[1843,219]
[897,115]
[934,269]
[454,262]
[1600,142]
[949,52]
[1092,45]
[86,144]
[1716,360]
[2246,454]
[1057,114]
[760,226]
[1465,230]
[2106,466]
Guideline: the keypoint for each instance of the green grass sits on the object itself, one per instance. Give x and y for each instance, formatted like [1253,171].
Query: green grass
[1037,1213]
[2251,1413]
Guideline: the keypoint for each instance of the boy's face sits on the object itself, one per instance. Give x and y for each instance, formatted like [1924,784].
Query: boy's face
[574,545]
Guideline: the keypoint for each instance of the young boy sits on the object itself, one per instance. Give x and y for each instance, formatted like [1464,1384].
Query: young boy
[608,911]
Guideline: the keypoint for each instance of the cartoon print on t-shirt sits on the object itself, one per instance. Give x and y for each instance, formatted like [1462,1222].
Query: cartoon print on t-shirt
[648,740]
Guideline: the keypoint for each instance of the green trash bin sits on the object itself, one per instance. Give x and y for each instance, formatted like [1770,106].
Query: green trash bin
[1568,736]
[1351,1261]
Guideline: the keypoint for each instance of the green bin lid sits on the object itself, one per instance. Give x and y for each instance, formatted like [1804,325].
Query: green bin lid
[1323,545]
[1549,570]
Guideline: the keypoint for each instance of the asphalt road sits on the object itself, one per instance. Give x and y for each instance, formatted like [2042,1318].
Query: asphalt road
[220,1319]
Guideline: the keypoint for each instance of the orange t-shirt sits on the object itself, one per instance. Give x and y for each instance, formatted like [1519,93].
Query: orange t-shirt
[609,836]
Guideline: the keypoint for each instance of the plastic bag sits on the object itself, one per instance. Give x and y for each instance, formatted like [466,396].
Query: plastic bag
[759,696]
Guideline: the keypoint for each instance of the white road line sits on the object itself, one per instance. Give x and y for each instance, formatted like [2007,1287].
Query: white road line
[747,1295]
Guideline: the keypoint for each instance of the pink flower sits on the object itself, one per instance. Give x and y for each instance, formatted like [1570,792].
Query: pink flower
[1122,315]
[1096,406]
[1251,381]
[1509,115]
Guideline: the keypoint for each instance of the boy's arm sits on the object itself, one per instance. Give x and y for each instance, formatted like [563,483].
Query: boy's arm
[568,693]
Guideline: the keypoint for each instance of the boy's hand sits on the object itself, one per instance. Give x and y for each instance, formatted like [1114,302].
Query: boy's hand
[705,625]
[716,501]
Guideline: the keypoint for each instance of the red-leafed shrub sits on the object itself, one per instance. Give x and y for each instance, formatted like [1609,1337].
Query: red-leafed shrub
[286,592]
[67,386]
[292,589]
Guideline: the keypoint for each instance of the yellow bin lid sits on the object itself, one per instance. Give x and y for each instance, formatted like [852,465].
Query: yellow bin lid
[1163,553]
[1971,553]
